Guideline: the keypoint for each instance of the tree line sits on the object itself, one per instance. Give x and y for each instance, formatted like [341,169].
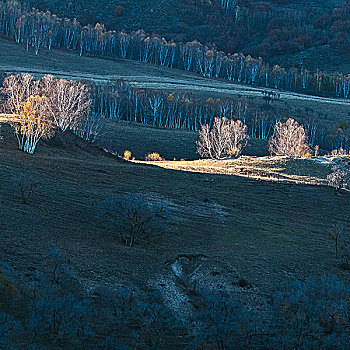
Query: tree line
[80,106]
[38,30]
[118,100]
[262,28]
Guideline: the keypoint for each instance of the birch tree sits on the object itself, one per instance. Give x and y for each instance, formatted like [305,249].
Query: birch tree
[67,102]
[289,139]
[31,124]
[226,138]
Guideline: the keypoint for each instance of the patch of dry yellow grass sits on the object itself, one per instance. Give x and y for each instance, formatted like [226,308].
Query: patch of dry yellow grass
[277,169]
[5,118]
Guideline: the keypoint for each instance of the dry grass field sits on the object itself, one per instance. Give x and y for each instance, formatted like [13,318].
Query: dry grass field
[277,169]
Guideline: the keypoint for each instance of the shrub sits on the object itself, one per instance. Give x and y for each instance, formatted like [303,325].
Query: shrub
[7,288]
[342,244]
[226,138]
[154,157]
[144,318]
[335,234]
[133,216]
[223,321]
[312,314]
[9,328]
[26,185]
[127,155]
[58,269]
[56,317]
[339,152]
[344,249]
[289,139]
[339,178]
[111,343]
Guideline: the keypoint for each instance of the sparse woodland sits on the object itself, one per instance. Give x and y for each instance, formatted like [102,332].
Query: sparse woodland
[189,300]
[118,100]
[39,107]
[38,30]
[124,318]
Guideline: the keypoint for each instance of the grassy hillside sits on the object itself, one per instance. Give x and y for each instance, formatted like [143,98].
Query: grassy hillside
[100,252]
[143,139]
[261,220]
[253,226]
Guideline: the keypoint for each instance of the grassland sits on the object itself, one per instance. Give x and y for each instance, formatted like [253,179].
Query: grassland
[268,232]
[14,58]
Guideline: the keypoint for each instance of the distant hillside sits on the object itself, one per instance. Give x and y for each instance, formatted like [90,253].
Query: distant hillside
[267,28]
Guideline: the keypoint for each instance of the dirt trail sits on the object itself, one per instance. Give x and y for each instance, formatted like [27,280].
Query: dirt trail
[186,83]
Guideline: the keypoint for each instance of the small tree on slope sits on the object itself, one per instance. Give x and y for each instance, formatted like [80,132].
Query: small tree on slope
[227,138]
[31,124]
[289,139]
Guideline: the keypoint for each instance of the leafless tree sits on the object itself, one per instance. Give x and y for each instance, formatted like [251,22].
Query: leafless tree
[134,217]
[26,186]
[90,127]
[339,178]
[237,138]
[289,139]
[226,138]
[67,102]
[18,88]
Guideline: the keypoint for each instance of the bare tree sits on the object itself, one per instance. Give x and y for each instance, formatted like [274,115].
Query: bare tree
[134,217]
[226,138]
[26,185]
[18,88]
[339,178]
[67,102]
[90,127]
[237,138]
[289,139]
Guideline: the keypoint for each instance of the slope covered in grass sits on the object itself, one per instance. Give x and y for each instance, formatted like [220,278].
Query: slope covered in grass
[254,226]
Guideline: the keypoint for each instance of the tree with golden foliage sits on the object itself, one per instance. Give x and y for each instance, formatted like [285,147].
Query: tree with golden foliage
[289,139]
[31,124]
[154,156]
